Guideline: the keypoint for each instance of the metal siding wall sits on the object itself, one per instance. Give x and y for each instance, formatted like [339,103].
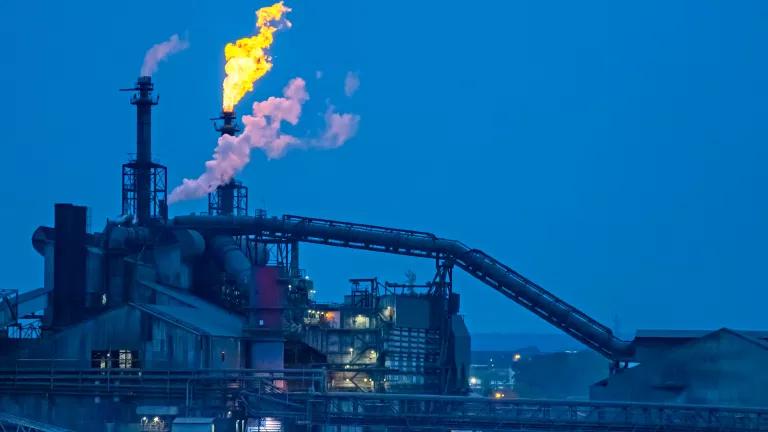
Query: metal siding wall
[462,350]
[113,330]
[230,348]
[94,277]
[412,312]
[267,355]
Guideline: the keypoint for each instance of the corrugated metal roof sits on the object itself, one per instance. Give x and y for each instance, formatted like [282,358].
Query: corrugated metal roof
[193,320]
[199,316]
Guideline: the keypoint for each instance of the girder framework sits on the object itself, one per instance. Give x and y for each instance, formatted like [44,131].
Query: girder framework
[12,423]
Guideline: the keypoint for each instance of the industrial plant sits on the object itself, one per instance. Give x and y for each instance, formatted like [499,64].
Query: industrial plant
[209,322]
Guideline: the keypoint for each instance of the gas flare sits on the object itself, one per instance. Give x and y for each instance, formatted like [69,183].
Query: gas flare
[263,130]
[247,58]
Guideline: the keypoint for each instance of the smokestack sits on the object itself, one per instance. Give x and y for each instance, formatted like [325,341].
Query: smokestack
[143,101]
[227,191]
[229,126]
[229,198]
[69,265]
[142,173]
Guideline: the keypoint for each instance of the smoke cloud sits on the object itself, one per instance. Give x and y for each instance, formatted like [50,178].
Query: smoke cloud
[339,128]
[351,83]
[262,130]
[160,52]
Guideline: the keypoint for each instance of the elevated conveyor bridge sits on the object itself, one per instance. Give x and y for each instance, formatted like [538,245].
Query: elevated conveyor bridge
[424,245]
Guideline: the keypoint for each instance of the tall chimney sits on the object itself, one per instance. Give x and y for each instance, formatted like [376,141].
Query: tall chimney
[230,198]
[69,265]
[145,183]
[143,101]
[228,127]
[227,191]
[141,184]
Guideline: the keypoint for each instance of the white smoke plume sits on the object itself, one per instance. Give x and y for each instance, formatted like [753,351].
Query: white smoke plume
[339,128]
[160,52]
[262,130]
[351,83]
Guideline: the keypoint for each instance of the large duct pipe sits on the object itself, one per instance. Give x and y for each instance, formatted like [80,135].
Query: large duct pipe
[127,238]
[475,262]
[232,258]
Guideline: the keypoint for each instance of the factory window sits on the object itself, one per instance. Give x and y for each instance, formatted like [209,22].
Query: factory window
[107,359]
[101,359]
[126,359]
[360,322]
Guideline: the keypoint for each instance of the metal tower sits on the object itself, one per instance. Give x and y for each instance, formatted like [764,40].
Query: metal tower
[144,181]
[230,198]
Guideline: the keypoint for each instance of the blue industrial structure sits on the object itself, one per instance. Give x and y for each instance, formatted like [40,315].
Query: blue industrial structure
[208,321]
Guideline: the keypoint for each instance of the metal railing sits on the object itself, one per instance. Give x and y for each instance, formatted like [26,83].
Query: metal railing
[300,395]
[157,383]
[475,413]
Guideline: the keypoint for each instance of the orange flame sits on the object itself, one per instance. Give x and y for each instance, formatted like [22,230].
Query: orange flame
[247,59]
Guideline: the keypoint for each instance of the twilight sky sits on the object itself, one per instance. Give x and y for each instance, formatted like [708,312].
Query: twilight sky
[614,152]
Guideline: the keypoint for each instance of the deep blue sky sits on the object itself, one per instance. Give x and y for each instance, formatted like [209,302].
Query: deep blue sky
[615,152]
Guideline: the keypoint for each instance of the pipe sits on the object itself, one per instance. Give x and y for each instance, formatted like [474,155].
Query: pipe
[236,264]
[42,236]
[480,265]
[119,237]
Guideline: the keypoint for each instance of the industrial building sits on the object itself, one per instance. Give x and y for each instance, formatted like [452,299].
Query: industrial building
[158,323]
[723,367]
[144,295]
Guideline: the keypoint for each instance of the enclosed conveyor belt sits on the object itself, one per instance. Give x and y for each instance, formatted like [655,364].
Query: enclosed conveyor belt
[426,245]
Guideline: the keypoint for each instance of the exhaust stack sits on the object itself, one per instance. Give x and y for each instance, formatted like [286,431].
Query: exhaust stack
[144,181]
[230,198]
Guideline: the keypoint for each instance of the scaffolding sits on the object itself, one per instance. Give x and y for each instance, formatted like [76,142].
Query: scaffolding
[158,191]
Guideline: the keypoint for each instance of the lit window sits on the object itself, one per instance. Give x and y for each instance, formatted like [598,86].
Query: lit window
[125,359]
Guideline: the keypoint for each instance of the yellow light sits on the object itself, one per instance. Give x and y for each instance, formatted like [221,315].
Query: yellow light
[516,357]
[498,395]
[247,59]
